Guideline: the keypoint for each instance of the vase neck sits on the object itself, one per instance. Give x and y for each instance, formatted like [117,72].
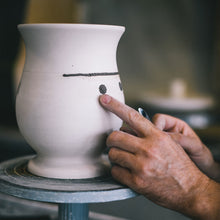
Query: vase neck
[71,48]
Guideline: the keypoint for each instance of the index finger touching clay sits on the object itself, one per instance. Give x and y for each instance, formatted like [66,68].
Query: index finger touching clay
[137,122]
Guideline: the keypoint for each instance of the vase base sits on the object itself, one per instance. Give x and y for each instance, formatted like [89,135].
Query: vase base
[47,169]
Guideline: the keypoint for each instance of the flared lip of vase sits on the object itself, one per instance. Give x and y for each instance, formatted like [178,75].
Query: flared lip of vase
[72,26]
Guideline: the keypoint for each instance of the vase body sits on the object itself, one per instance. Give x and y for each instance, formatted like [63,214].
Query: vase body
[67,68]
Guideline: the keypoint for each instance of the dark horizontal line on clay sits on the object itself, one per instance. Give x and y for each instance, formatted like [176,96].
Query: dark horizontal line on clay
[90,74]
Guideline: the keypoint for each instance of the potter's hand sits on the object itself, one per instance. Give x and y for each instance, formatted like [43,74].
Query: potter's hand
[153,164]
[187,138]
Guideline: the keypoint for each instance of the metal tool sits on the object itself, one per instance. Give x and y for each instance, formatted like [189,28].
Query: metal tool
[143,113]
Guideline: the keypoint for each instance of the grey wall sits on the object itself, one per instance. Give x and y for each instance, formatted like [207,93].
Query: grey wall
[164,40]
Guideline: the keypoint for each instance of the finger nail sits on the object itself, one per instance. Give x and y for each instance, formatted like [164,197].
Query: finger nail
[105,99]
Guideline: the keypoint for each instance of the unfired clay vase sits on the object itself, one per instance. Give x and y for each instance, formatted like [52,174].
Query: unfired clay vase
[67,68]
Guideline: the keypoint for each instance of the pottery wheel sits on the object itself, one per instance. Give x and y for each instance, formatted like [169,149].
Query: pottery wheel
[15,180]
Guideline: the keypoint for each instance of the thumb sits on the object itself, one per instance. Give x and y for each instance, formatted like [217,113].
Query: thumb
[190,144]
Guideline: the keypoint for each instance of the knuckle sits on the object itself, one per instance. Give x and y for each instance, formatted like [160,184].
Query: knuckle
[116,157]
[111,153]
[162,136]
[133,116]
[153,144]
[138,182]
[176,137]
[143,168]
[112,138]
[143,148]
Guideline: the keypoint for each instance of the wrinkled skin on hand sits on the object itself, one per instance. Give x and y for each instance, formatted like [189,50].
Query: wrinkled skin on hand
[153,164]
[191,143]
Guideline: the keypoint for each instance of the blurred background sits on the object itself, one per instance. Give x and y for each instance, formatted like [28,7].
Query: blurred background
[168,60]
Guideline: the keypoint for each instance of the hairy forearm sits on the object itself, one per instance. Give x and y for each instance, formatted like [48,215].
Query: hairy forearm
[206,205]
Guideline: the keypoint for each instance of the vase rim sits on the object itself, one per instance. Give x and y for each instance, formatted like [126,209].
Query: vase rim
[73,25]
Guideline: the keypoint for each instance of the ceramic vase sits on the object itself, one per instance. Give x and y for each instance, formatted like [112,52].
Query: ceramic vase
[67,68]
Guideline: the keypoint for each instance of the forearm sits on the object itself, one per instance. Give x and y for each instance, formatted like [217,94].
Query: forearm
[206,205]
